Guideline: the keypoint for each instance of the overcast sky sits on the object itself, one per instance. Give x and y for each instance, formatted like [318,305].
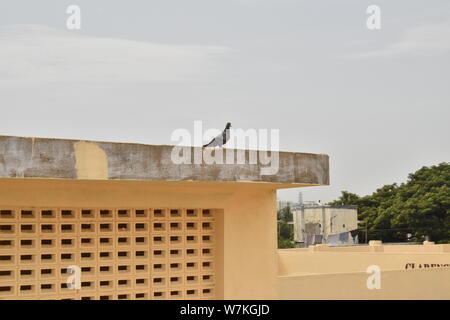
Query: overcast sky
[378,102]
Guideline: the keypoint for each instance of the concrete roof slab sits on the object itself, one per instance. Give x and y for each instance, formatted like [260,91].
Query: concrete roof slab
[27,157]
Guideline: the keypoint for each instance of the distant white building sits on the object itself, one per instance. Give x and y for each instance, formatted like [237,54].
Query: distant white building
[315,223]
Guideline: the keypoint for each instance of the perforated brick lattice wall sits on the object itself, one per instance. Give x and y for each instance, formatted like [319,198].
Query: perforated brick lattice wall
[123,253]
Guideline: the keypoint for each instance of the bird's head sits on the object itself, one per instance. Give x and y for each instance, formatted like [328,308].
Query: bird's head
[228,125]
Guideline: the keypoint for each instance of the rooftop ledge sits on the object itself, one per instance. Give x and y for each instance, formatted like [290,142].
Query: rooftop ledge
[27,157]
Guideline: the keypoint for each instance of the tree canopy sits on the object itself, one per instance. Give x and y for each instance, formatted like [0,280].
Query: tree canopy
[285,230]
[420,207]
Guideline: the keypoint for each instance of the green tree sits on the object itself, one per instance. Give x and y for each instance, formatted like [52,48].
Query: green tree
[285,214]
[346,198]
[285,230]
[420,206]
[423,203]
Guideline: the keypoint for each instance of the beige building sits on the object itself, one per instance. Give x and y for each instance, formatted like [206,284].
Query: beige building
[330,224]
[122,221]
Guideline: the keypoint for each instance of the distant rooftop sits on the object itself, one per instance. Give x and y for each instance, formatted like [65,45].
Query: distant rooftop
[317,205]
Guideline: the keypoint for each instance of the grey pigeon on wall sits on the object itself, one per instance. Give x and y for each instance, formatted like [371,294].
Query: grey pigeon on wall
[221,139]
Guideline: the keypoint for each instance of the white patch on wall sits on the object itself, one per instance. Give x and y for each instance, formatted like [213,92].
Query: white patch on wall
[74,280]
[374,280]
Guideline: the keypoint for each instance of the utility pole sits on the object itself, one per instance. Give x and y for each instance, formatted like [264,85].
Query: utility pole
[366,229]
[331,223]
[324,226]
[278,227]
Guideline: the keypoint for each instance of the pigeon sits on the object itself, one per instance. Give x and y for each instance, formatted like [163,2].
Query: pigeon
[221,139]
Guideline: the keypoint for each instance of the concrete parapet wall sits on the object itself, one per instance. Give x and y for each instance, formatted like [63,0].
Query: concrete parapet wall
[407,272]
[71,159]
[395,284]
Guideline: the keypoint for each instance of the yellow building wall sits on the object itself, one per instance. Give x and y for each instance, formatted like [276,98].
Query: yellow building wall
[322,262]
[430,284]
[247,262]
[341,273]
[245,258]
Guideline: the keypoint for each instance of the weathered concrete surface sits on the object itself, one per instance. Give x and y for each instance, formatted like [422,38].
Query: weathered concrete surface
[22,157]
